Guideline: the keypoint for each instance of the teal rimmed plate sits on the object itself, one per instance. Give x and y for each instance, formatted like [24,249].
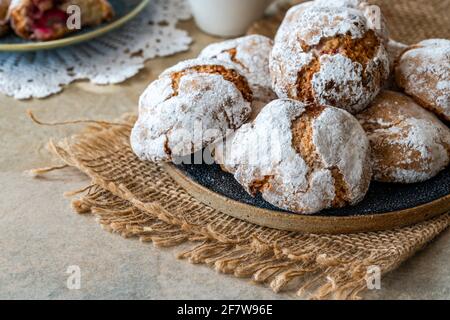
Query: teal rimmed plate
[125,10]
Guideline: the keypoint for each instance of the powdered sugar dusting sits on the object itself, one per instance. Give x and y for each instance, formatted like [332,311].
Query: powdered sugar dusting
[374,18]
[424,72]
[263,152]
[205,108]
[395,123]
[287,59]
[317,23]
[292,16]
[249,55]
[342,143]
[347,77]
[339,81]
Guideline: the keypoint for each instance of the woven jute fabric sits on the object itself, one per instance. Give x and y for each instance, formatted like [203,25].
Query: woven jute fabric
[138,199]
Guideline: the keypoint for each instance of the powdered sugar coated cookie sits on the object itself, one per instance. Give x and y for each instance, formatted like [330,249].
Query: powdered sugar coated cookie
[330,58]
[188,107]
[423,71]
[409,144]
[249,55]
[302,158]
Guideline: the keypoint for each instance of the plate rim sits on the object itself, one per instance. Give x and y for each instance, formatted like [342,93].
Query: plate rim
[308,223]
[47,45]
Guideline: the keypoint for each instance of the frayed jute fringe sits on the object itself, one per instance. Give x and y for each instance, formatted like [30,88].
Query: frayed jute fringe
[138,199]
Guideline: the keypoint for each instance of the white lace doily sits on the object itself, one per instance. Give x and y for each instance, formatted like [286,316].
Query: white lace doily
[110,59]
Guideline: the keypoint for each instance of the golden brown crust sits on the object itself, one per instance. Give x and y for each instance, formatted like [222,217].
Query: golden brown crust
[250,57]
[228,74]
[341,198]
[423,71]
[260,185]
[302,134]
[360,50]
[409,144]
[330,57]
[304,85]
[302,141]
[208,90]
[302,158]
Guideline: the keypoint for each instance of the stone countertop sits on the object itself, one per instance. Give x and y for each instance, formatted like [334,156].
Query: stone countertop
[40,236]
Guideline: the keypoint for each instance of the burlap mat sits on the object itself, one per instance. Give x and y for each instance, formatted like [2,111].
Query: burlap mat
[138,199]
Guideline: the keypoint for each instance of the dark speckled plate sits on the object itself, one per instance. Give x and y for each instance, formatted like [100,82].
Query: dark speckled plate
[381,198]
[385,206]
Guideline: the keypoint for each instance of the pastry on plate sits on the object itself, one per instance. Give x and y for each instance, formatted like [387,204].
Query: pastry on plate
[423,71]
[188,107]
[409,143]
[4,24]
[302,158]
[330,57]
[374,17]
[45,20]
[250,55]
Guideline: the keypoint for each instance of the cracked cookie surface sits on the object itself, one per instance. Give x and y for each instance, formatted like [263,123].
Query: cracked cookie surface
[423,71]
[188,107]
[331,57]
[250,55]
[373,15]
[302,158]
[409,144]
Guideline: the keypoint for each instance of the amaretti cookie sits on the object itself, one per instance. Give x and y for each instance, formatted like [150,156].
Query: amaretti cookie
[409,143]
[375,18]
[188,107]
[249,55]
[423,71]
[46,20]
[302,158]
[330,58]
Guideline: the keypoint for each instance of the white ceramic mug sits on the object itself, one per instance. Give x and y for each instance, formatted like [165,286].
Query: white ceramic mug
[227,18]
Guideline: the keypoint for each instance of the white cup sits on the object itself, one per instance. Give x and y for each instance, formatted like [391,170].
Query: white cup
[227,18]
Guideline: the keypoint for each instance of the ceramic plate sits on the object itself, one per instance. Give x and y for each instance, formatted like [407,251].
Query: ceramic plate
[125,10]
[385,206]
